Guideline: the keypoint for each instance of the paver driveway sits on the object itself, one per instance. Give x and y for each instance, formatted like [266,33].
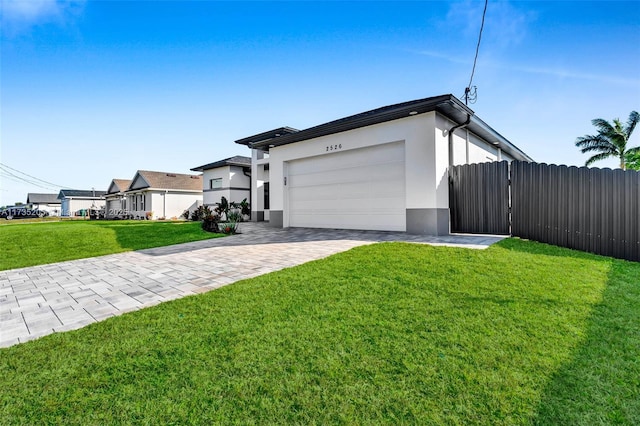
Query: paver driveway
[41,300]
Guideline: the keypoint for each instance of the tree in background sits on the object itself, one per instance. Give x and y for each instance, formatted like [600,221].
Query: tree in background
[633,161]
[611,140]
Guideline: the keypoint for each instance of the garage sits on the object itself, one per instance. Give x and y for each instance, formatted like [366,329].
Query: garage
[351,189]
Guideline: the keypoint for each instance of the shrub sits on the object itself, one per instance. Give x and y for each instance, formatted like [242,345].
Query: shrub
[222,208]
[200,213]
[234,216]
[244,207]
[229,228]
[210,222]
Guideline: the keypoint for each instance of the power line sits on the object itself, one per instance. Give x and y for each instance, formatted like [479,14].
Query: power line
[8,175]
[4,166]
[470,92]
[11,176]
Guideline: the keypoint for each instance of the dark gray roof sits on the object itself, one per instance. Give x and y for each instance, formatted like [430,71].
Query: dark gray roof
[69,193]
[42,198]
[447,105]
[265,136]
[238,160]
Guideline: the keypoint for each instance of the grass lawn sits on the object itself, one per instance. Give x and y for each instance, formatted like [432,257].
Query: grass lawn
[29,244]
[520,333]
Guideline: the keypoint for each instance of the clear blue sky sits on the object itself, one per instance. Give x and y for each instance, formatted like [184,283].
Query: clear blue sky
[95,90]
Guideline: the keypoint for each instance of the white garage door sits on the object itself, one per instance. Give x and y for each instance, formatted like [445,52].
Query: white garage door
[356,189]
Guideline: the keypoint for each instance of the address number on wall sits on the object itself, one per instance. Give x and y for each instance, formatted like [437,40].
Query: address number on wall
[334,147]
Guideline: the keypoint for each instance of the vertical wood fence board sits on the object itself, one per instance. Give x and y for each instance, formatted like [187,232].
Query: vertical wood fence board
[479,198]
[588,209]
[595,210]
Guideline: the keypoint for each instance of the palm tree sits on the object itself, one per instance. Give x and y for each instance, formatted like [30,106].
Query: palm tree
[633,160]
[611,140]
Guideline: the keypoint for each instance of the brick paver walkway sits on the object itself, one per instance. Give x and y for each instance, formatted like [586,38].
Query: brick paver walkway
[41,300]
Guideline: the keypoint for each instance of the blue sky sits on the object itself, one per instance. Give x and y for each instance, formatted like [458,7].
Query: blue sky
[95,90]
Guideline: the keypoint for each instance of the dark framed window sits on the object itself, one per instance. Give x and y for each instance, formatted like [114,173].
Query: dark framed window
[266,195]
[215,183]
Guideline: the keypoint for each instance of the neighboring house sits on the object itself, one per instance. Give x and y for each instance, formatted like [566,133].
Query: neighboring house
[73,200]
[46,202]
[229,178]
[162,195]
[385,169]
[115,198]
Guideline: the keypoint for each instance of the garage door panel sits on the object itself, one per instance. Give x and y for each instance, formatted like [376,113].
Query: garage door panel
[349,159]
[392,170]
[359,205]
[347,190]
[357,189]
[381,222]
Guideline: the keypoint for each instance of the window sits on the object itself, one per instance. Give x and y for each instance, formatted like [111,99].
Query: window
[266,195]
[215,183]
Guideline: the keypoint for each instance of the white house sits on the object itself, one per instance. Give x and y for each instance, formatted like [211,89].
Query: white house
[162,195]
[45,202]
[229,178]
[385,169]
[74,200]
[116,199]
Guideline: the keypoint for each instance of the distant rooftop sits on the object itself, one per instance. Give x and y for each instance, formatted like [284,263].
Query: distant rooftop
[238,160]
[164,180]
[42,198]
[80,193]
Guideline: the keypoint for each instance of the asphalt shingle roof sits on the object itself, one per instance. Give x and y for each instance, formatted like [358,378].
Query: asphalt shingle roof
[237,160]
[163,180]
[121,185]
[68,193]
[42,198]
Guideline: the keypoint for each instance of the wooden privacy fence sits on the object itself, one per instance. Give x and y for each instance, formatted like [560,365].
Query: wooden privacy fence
[589,209]
[479,198]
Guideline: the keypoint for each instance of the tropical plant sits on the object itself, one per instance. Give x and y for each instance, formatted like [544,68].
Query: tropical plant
[200,213]
[222,208]
[611,140]
[245,208]
[633,160]
[210,222]
[234,216]
[229,228]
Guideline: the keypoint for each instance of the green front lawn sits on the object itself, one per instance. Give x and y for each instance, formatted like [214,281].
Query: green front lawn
[29,244]
[521,333]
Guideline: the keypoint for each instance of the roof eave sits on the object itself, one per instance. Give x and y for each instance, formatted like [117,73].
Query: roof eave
[489,134]
[162,190]
[445,104]
[218,165]
[251,141]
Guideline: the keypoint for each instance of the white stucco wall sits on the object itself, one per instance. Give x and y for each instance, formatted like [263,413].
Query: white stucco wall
[259,160]
[235,185]
[426,146]
[70,206]
[426,160]
[165,204]
[52,209]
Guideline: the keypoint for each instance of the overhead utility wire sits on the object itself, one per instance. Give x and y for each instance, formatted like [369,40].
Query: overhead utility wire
[467,90]
[8,175]
[32,177]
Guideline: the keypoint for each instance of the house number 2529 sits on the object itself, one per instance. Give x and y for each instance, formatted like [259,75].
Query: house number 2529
[334,147]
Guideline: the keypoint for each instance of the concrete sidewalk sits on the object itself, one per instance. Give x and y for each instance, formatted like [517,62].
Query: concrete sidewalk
[41,300]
